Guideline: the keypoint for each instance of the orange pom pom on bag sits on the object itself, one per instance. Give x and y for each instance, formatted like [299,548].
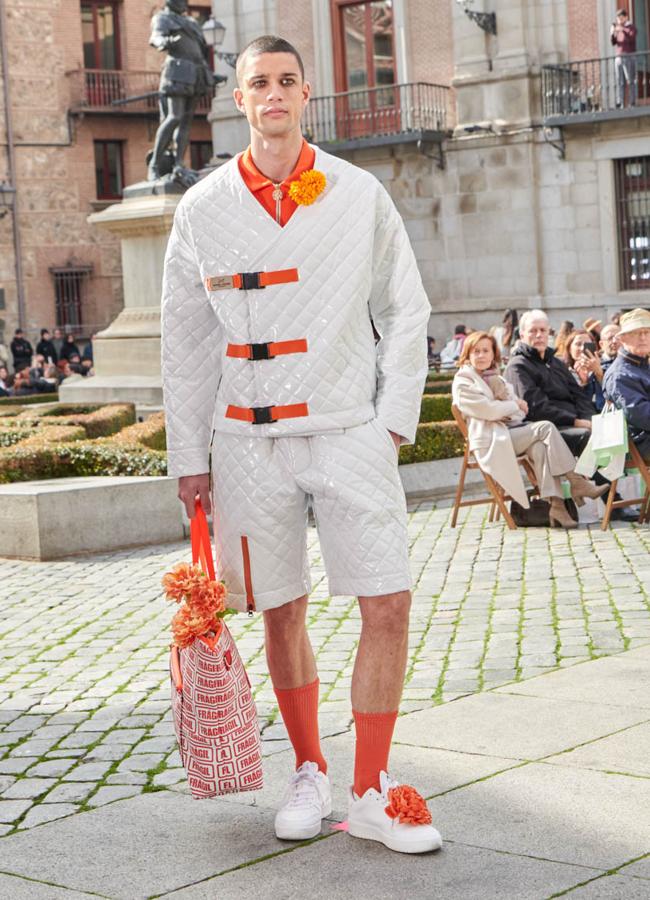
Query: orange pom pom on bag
[213,708]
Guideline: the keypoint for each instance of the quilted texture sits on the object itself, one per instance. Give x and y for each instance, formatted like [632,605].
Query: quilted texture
[261,490]
[216,720]
[356,268]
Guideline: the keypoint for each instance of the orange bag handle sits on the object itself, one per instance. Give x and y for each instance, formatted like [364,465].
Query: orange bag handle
[200,538]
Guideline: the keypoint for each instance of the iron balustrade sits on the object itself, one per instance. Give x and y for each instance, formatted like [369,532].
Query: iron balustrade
[95,90]
[381,112]
[590,88]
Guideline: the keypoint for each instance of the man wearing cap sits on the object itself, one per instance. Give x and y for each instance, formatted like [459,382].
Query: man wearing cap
[627,381]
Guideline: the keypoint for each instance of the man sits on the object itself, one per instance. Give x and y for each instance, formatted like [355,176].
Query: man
[623,37]
[58,340]
[21,350]
[46,347]
[546,384]
[627,381]
[609,345]
[4,381]
[302,401]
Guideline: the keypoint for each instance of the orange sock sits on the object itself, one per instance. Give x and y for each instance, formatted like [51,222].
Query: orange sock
[299,708]
[374,735]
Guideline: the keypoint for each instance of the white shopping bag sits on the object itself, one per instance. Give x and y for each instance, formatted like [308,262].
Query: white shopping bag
[587,464]
[608,433]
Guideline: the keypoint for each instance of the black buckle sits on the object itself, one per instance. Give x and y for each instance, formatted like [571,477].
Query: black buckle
[250,281]
[262,415]
[259,351]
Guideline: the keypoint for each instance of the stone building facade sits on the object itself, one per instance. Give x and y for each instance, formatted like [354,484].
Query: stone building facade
[537,194]
[73,152]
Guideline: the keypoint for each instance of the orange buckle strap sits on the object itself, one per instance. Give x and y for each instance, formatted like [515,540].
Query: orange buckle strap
[268,350]
[265,415]
[250,281]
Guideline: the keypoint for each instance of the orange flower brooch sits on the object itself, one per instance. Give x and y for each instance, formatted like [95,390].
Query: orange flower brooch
[308,187]
[407,806]
[202,603]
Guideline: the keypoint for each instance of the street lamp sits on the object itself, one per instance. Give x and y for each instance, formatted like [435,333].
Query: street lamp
[213,32]
[7,194]
[486,21]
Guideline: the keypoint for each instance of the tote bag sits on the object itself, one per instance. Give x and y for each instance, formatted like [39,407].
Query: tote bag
[215,717]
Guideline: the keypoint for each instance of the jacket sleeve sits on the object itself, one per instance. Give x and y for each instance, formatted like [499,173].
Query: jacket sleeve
[539,406]
[190,356]
[400,312]
[627,393]
[475,405]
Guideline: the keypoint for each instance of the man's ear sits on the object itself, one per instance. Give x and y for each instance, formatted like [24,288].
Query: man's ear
[238,97]
[306,92]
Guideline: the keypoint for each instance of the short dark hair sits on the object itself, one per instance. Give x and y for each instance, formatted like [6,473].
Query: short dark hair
[18,331]
[44,331]
[621,12]
[269,43]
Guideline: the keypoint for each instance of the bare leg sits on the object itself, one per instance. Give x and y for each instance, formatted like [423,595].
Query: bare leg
[378,676]
[288,650]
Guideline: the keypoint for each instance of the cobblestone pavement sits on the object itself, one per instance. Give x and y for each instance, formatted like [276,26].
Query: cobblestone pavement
[84,695]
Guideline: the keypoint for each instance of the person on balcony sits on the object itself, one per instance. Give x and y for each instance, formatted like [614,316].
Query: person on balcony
[623,37]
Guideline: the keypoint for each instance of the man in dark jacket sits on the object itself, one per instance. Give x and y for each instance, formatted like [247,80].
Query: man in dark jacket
[21,350]
[546,384]
[627,381]
[46,348]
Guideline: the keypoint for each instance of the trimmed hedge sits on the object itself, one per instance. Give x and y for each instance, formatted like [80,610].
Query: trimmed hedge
[150,433]
[433,440]
[29,399]
[442,387]
[78,458]
[435,408]
[10,436]
[54,434]
[101,422]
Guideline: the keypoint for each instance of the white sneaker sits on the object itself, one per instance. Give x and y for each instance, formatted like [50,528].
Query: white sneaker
[396,816]
[308,800]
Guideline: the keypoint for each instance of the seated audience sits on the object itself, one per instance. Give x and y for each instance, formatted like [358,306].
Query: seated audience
[594,327]
[545,383]
[627,380]
[498,432]
[581,357]
[609,345]
[4,381]
[69,348]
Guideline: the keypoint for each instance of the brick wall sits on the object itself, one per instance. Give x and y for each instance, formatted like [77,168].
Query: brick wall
[55,167]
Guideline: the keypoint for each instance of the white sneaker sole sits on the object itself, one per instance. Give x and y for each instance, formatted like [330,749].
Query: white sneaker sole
[303,833]
[373,833]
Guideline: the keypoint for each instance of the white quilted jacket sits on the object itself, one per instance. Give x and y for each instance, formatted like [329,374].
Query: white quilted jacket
[356,268]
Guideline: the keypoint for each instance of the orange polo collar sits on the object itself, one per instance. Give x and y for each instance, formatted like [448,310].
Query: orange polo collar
[262,187]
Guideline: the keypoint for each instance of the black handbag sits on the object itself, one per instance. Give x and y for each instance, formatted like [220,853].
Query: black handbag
[537,515]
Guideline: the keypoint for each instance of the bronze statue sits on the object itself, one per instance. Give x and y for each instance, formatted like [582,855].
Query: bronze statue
[186,76]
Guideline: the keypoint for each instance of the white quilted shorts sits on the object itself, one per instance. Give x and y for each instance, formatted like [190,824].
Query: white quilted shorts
[261,489]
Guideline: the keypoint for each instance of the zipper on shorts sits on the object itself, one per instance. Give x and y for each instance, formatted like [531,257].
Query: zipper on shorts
[248,581]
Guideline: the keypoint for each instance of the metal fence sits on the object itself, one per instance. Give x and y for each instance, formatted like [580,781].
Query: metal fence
[592,86]
[375,112]
[95,90]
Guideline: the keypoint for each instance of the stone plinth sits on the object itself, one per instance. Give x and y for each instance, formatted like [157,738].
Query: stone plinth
[118,512]
[127,353]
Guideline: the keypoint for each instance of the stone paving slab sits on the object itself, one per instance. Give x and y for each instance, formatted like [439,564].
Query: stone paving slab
[627,752]
[431,771]
[575,816]
[141,847]
[334,869]
[639,869]
[515,726]
[14,888]
[617,680]
[612,887]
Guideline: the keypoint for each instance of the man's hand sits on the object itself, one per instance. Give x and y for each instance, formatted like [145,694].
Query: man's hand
[582,423]
[188,488]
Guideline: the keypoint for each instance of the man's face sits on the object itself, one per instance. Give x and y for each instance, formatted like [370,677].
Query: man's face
[57,333]
[622,19]
[271,93]
[4,374]
[46,335]
[535,334]
[637,341]
[609,341]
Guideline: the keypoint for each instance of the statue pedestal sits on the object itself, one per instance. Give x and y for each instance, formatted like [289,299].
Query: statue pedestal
[127,353]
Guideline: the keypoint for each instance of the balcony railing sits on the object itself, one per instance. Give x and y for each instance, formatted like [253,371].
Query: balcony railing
[388,114]
[593,89]
[95,90]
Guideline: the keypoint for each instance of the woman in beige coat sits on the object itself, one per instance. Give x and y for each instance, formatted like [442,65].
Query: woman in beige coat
[498,433]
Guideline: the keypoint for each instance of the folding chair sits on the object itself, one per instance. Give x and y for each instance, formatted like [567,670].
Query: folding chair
[634,465]
[498,496]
